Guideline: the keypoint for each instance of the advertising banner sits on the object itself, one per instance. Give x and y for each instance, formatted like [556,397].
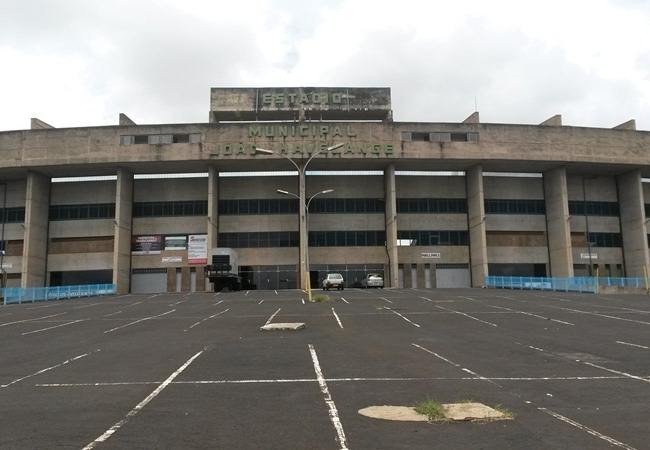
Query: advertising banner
[197,249]
[146,245]
[175,242]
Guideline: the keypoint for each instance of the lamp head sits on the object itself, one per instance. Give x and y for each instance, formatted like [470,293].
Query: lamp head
[264,151]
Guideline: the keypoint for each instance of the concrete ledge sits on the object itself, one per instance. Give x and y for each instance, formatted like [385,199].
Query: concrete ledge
[287,326]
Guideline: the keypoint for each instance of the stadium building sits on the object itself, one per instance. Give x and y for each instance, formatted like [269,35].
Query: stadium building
[146,207]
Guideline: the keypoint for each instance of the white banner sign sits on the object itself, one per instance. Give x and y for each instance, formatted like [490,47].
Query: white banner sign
[586,256]
[172,259]
[429,255]
[7,266]
[197,249]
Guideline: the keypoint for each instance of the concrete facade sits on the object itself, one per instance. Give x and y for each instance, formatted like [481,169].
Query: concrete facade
[582,207]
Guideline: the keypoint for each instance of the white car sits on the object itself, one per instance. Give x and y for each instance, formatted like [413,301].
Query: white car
[333,280]
[372,280]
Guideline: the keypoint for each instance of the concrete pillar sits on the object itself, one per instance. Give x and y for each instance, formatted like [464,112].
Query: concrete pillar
[213,208]
[122,231]
[558,228]
[633,226]
[303,270]
[171,279]
[476,225]
[391,278]
[421,281]
[186,279]
[37,207]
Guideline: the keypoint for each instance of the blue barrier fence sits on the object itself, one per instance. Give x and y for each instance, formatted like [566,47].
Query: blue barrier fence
[572,284]
[31,295]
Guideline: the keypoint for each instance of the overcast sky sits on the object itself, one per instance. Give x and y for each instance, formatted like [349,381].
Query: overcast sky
[81,62]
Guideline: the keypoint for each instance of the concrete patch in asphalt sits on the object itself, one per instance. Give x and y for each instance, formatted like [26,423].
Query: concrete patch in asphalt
[283,326]
[466,411]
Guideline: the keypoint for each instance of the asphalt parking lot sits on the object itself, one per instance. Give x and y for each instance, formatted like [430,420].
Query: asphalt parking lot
[195,371]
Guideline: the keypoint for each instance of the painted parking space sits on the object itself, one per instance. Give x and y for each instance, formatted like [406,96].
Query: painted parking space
[195,370]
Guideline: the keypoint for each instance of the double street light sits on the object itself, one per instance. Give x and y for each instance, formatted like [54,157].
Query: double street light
[301,166]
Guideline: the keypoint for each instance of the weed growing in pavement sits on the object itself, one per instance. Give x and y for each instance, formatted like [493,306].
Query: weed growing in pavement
[320,298]
[432,409]
[506,412]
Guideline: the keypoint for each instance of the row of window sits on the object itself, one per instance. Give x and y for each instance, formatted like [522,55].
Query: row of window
[605,240]
[496,206]
[579,208]
[180,138]
[424,237]
[167,209]
[369,238]
[439,136]
[329,205]
[12,215]
[364,238]
[431,205]
[77,212]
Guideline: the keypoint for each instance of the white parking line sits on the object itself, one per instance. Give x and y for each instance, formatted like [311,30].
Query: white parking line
[215,304]
[247,292]
[625,374]
[585,429]
[207,318]
[343,298]
[385,299]
[260,302]
[302,300]
[133,304]
[409,321]
[31,320]
[633,345]
[276,292]
[108,433]
[56,326]
[337,318]
[272,316]
[466,315]
[600,315]
[113,314]
[333,380]
[333,413]
[67,361]
[138,321]
[464,369]
[519,312]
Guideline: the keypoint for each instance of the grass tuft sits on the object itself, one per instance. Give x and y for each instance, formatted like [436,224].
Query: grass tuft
[432,409]
[319,298]
[505,411]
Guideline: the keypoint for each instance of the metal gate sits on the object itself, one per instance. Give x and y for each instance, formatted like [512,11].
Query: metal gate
[148,281]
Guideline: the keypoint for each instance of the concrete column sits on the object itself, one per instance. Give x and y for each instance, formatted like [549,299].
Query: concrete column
[303,271]
[122,231]
[633,226]
[391,279]
[171,279]
[213,209]
[558,228]
[37,207]
[421,281]
[186,279]
[476,225]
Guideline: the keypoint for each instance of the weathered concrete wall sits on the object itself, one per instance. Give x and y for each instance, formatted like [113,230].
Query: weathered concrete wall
[79,261]
[81,228]
[86,192]
[517,255]
[515,222]
[413,186]
[172,189]
[123,226]
[169,225]
[517,188]
[431,221]
[212,224]
[597,188]
[476,225]
[37,203]
[557,222]
[633,224]
[503,147]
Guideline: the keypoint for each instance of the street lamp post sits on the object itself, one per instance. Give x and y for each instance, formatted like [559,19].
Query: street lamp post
[3,277]
[306,211]
[302,168]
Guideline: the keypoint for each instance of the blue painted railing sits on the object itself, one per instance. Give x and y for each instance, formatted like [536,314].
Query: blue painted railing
[572,284]
[31,295]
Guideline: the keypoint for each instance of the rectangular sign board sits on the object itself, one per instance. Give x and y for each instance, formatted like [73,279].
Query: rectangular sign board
[430,255]
[298,103]
[586,256]
[146,245]
[197,249]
